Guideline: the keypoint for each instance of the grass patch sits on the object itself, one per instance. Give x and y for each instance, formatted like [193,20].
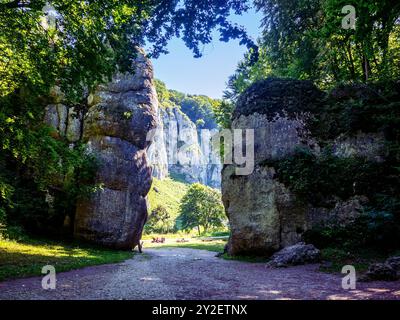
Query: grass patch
[168,194]
[22,259]
[214,246]
[177,235]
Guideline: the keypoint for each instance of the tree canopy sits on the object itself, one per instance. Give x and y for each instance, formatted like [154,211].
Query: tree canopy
[304,39]
[89,39]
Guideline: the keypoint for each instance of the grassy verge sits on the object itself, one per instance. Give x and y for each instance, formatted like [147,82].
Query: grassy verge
[178,235]
[167,193]
[215,246]
[22,259]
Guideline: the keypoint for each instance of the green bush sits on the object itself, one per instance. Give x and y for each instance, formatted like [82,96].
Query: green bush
[13,232]
[41,175]
[376,229]
[316,178]
[160,221]
[320,180]
[349,109]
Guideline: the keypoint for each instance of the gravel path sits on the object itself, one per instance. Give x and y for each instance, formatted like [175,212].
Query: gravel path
[178,273]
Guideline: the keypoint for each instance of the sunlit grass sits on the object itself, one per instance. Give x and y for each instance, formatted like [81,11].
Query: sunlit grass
[19,259]
[215,245]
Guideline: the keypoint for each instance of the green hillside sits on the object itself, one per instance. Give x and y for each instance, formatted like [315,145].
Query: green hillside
[168,194]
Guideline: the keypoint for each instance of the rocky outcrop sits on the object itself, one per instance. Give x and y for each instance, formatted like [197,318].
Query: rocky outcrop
[115,127]
[66,120]
[387,271]
[182,150]
[368,145]
[264,214]
[157,152]
[297,254]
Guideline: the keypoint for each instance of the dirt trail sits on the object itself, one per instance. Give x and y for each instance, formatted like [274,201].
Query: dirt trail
[178,273]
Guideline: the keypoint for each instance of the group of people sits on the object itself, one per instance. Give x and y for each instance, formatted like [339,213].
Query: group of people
[158,240]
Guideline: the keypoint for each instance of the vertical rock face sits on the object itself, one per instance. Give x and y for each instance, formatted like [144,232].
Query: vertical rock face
[264,214]
[179,148]
[115,128]
[157,152]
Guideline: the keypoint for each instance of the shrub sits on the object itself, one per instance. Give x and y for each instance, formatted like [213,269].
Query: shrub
[316,178]
[160,221]
[377,229]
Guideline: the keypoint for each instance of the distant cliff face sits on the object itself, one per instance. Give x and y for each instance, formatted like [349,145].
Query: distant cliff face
[181,149]
[115,127]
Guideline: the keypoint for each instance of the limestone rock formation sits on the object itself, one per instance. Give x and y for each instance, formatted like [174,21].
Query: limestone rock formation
[387,271]
[380,271]
[297,254]
[157,152]
[115,127]
[264,215]
[66,120]
[181,149]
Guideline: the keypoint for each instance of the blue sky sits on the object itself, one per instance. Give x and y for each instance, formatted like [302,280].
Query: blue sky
[206,75]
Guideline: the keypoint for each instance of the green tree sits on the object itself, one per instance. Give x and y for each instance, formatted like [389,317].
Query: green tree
[160,221]
[223,113]
[201,207]
[304,39]
[163,94]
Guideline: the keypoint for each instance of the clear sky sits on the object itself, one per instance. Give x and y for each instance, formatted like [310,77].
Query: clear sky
[206,75]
